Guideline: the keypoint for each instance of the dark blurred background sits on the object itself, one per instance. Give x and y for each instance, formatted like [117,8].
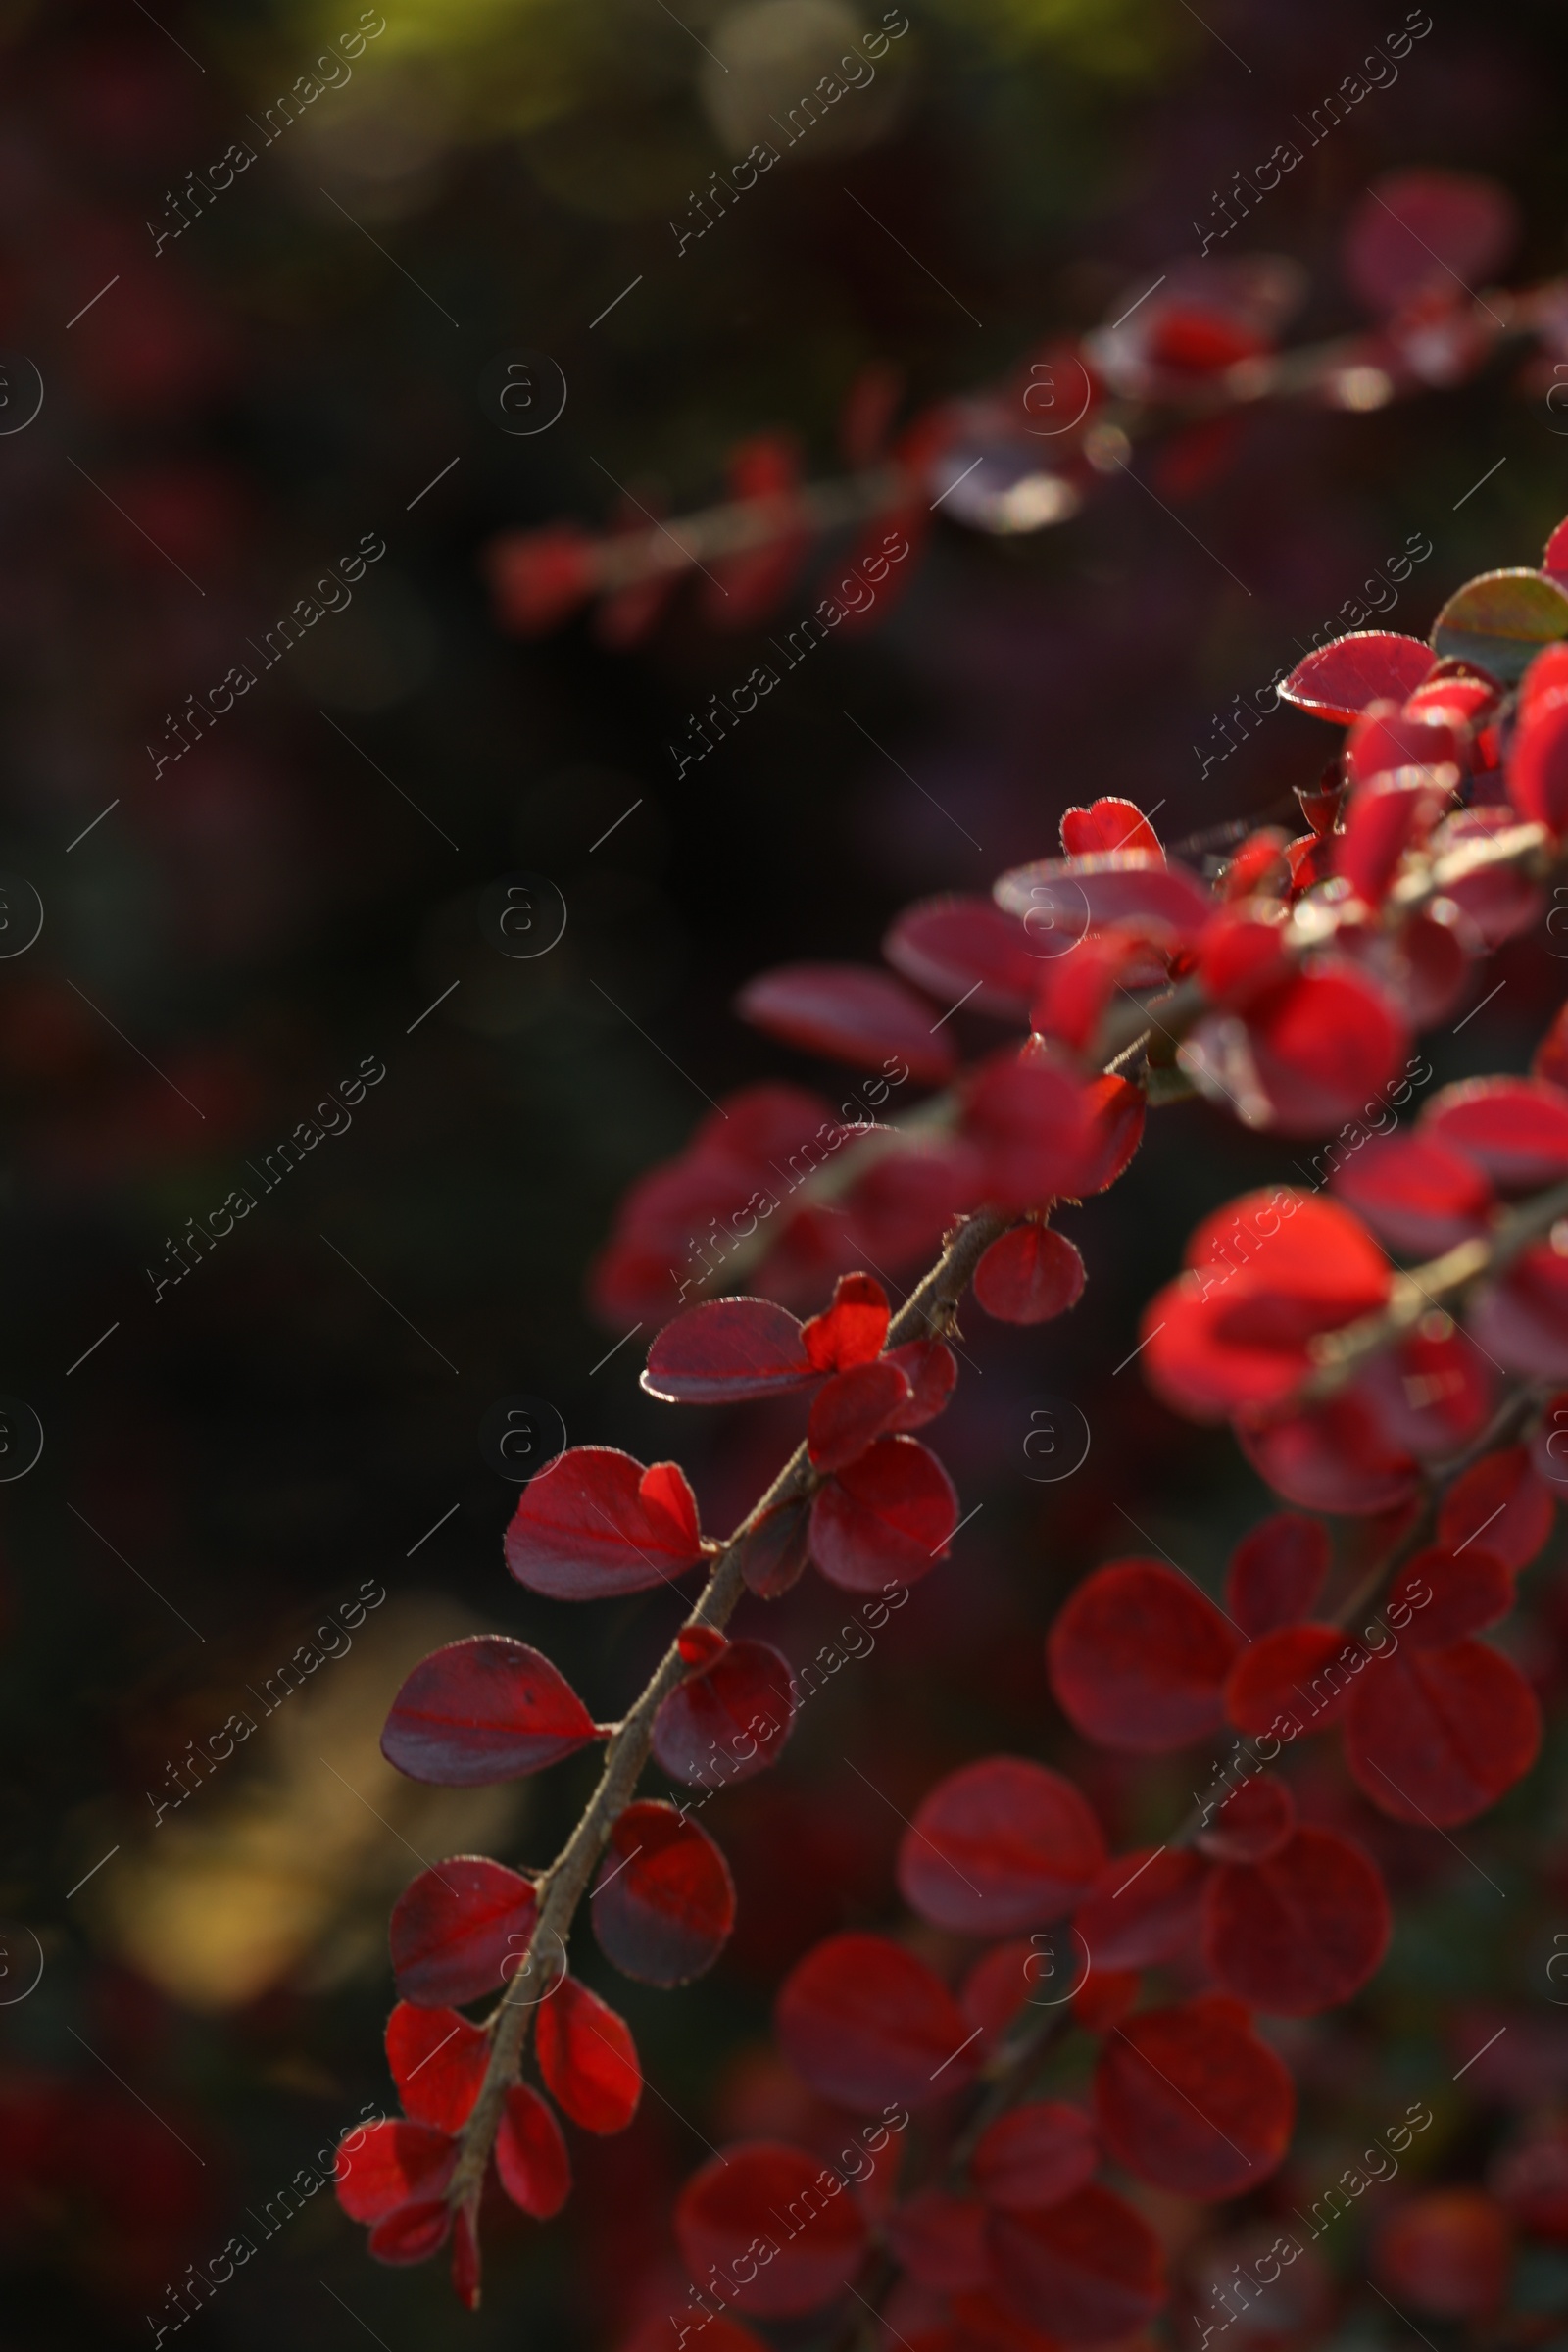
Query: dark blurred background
[229,935]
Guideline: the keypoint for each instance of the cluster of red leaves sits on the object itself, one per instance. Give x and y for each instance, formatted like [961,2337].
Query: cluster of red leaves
[1189,362]
[1300,973]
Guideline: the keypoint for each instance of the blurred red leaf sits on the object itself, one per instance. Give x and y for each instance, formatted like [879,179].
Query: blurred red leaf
[1029,1275]
[1084,2271]
[1138,1657]
[853,1409]
[850,1013]
[744,1695]
[1035,2155]
[1436,1735]
[455,1925]
[437,2060]
[1503,1498]
[532,2155]
[1145,1909]
[1302,1932]
[665,1903]
[1423,230]
[1277,1571]
[1000,1844]
[746,2193]
[866,2024]
[1191,2102]
[394,2165]
[1447,2252]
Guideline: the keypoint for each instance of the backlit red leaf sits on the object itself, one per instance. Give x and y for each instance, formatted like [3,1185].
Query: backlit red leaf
[1252,1823]
[1436,1735]
[1417,1195]
[852,1410]
[729,1721]
[587,2058]
[596,1523]
[1138,1657]
[485,1709]
[998,1845]
[1448,2253]
[394,2164]
[853,1330]
[1191,2102]
[665,1902]
[1034,2155]
[1277,1571]
[1058,900]
[932,1371]
[783,2195]
[532,2155]
[1424,230]
[727,1348]
[866,2024]
[1338,680]
[1107,825]
[1084,2271]
[411,2233]
[437,2060]
[1029,1275]
[454,1926]
[1302,1931]
[1336,1458]
[851,1014]
[1322,1044]
[891,1515]
[959,946]
[1502,1501]
[1515,1130]
[1028,1121]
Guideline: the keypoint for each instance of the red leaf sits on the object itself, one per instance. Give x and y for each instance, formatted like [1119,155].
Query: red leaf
[891,1515]
[1502,1498]
[1277,1572]
[744,1696]
[1322,1044]
[412,2234]
[853,1330]
[1515,1130]
[867,2025]
[1084,2271]
[532,2155]
[1450,1594]
[1298,1933]
[1254,1821]
[1415,1193]
[1138,1657]
[726,1349]
[437,2060]
[394,2164]
[1029,1122]
[1538,763]
[932,1372]
[1436,1735]
[1384,819]
[998,1845]
[454,1927]
[1336,1458]
[700,1645]
[1426,232]
[1107,825]
[941,2241]
[665,1903]
[958,946]
[1059,899]
[1268,1273]
[996,1990]
[1416,747]
[587,2058]
[1029,1275]
[777,1549]
[850,1013]
[1299,1674]
[1192,2103]
[1145,1908]
[539,578]
[1338,680]
[1448,2253]
[750,2192]
[1522,1321]
[485,1709]
[853,1409]
[1034,2156]
[595,1523]
[1116,1111]
[743,587]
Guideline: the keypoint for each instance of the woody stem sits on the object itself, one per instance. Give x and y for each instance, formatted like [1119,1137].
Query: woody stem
[928,1312]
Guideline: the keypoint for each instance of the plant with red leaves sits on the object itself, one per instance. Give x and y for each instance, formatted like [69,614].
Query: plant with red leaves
[1192,364]
[1285,987]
